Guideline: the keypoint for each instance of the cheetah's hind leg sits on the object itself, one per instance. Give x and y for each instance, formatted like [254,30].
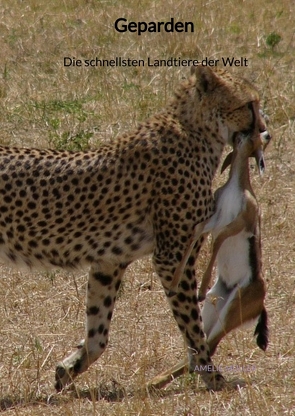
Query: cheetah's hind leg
[103,284]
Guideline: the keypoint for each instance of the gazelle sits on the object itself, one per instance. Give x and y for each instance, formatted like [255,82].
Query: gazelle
[239,291]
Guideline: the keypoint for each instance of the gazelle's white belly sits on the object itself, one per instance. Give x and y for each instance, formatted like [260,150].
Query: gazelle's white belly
[233,260]
[233,256]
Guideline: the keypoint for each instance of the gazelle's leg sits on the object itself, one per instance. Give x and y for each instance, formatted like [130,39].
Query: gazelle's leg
[216,298]
[243,304]
[198,230]
[230,230]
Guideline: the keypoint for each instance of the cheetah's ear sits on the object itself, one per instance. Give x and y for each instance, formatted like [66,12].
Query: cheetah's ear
[207,80]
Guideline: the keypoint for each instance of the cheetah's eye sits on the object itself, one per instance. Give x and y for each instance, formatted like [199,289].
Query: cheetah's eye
[252,119]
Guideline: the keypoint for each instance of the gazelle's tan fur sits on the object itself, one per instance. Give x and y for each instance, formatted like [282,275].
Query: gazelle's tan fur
[238,294]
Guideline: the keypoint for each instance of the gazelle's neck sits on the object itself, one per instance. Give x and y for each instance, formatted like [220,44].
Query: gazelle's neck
[239,170]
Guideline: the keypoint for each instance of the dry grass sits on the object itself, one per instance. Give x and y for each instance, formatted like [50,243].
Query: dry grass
[44,104]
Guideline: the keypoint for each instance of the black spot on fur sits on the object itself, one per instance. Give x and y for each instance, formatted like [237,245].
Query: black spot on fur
[202,361]
[93,310]
[117,250]
[194,314]
[104,279]
[196,329]
[107,302]
[91,333]
[100,329]
[185,318]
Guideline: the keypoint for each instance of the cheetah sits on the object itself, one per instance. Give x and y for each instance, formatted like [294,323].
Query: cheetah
[141,194]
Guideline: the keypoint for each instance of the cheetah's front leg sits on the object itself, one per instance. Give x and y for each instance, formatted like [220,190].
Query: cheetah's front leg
[104,282]
[187,313]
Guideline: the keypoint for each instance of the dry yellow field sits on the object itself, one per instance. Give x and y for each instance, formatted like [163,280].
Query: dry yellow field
[45,104]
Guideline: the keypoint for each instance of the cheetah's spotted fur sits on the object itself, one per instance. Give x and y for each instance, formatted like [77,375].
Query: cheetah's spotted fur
[141,194]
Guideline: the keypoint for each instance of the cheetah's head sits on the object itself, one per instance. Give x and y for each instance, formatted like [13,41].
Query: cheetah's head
[231,102]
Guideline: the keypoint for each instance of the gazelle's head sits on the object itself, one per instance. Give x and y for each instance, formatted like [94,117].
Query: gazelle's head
[249,144]
[259,146]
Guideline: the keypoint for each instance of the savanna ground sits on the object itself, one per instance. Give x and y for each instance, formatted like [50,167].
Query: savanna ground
[44,104]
